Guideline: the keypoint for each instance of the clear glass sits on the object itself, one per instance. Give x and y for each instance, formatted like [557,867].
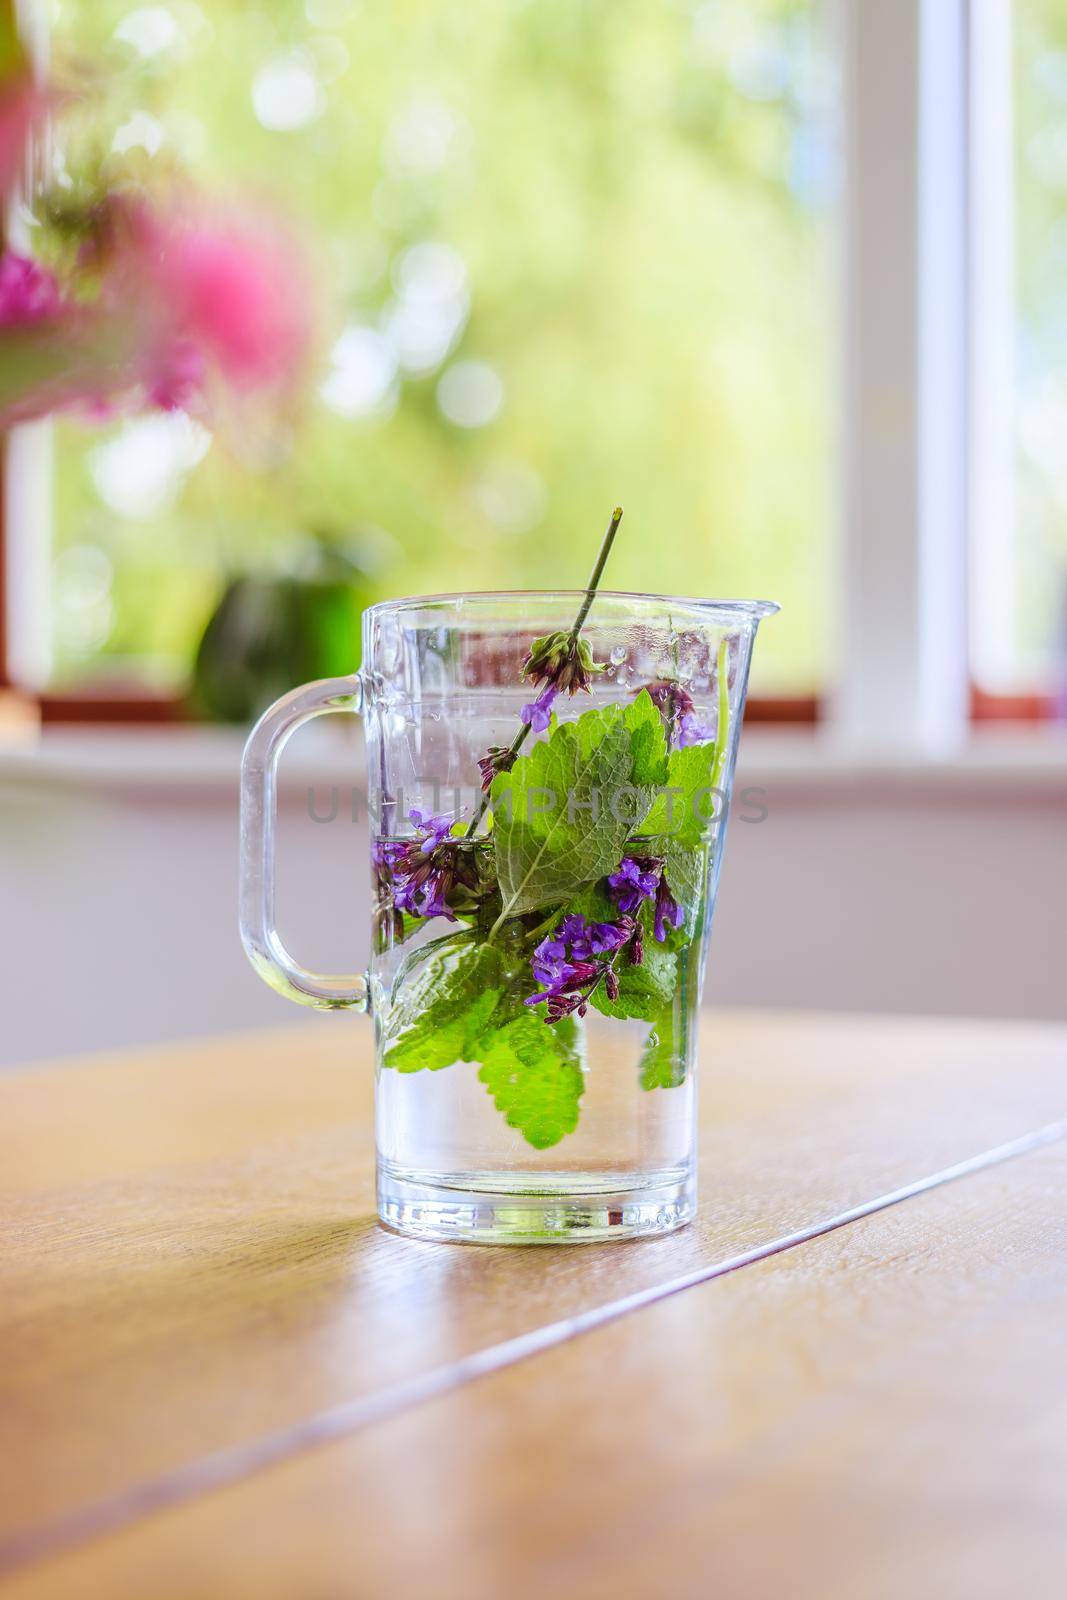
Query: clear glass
[496,1122]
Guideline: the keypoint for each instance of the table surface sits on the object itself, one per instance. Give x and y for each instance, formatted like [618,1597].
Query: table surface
[219,1376]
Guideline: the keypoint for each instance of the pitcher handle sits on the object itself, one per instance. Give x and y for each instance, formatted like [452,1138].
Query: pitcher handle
[259,804]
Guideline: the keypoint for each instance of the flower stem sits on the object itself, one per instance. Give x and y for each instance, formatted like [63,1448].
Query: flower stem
[583,611]
[598,571]
[722,729]
[513,749]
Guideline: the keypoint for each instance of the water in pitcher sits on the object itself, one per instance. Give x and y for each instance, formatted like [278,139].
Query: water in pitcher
[634,1109]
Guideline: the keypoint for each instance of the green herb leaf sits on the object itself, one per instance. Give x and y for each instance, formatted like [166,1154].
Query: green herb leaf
[648,741]
[660,1066]
[686,870]
[555,823]
[534,1076]
[688,810]
[643,990]
[433,949]
[441,1016]
[594,903]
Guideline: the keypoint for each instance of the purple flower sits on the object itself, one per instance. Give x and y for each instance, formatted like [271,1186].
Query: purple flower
[563,660]
[604,938]
[409,896]
[590,939]
[573,960]
[422,876]
[549,961]
[436,828]
[668,911]
[569,982]
[385,853]
[675,705]
[498,758]
[562,1005]
[539,711]
[419,893]
[692,730]
[388,923]
[433,903]
[668,697]
[635,880]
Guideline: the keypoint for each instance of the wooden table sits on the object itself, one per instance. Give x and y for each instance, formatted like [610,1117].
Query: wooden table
[221,1378]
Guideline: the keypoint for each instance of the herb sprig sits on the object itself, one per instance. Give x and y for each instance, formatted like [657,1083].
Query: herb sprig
[556,911]
[560,660]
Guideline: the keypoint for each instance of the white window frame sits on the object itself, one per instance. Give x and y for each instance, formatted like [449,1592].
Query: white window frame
[903,679]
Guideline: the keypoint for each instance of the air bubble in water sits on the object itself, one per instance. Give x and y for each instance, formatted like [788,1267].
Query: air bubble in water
[618,655]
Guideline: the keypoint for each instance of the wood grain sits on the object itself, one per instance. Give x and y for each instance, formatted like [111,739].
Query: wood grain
[876,1414]
[192,1262]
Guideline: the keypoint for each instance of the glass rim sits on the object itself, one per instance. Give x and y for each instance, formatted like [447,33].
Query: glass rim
[755,609]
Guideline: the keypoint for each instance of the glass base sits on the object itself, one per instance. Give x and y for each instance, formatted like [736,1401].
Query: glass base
[546,1208]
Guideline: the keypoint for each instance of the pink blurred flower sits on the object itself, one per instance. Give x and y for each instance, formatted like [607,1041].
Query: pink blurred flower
[23,104]
[229,298]
[176,377]
[187,309]
[28,292]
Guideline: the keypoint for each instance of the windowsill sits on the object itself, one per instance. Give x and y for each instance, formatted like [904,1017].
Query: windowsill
[202,761]
[992,759]
[170,760]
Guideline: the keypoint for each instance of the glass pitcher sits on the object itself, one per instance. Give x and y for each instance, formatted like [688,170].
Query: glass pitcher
[547,816]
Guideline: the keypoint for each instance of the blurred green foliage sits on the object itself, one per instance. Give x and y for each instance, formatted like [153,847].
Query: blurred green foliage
[1036,595]
[581,251]
[270,632]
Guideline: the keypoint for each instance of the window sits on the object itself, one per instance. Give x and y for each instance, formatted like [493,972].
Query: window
[584,250]
[1019,521]
[1021,592]
[589,250]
